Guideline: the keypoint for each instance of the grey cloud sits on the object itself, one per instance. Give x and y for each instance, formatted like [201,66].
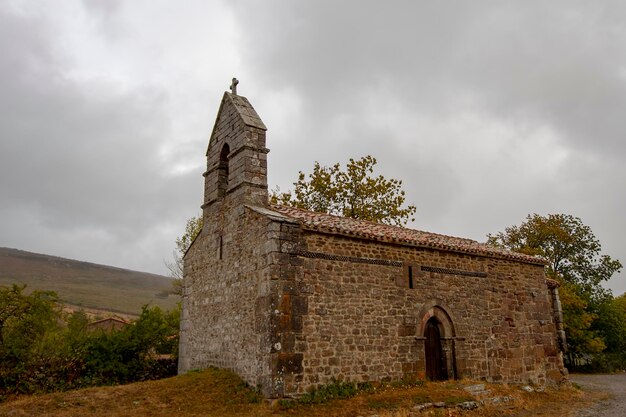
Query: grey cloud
[556,64]
[534,67]
[487,111]
[79,155]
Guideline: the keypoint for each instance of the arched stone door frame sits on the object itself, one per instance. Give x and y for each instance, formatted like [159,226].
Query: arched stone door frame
[436,313]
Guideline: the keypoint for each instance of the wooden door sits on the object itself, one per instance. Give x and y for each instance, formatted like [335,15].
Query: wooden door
[435,360]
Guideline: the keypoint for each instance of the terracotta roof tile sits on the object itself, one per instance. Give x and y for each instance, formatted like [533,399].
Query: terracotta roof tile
[327,223]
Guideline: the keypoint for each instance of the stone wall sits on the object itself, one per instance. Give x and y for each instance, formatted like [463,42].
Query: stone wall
[227,297]
[289,309]
[222,323]
[361,321]
[243,175]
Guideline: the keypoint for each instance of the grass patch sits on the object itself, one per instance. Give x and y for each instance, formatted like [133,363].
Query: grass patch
[334,391]
[407,382]
[422,399]
[382,404]
[220,393]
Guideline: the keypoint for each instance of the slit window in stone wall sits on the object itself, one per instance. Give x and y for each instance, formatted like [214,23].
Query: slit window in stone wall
[219,248]
[409,276]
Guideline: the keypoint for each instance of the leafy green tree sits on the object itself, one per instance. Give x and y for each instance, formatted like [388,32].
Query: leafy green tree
[25,319]
[41,350]
[128,354]
[156,330]
[569,246]
[192,229]
[611,324]
[573,256]
[620,303]
[37,309]
[578,320]
[353,192]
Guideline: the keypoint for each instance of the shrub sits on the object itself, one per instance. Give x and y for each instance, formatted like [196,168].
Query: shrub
[39,352]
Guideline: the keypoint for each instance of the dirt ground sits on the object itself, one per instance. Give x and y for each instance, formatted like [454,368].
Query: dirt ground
[613,384]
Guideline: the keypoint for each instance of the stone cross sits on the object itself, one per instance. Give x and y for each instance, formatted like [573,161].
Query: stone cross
[233,86]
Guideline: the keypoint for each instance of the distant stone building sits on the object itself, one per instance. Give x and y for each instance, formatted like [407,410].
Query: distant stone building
[291,299]
[108,325]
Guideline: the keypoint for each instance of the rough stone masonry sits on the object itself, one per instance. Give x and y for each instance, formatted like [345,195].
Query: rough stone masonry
[291,299]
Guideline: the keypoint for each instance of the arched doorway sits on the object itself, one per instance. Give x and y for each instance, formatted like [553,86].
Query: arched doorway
[438,334]
[436,368]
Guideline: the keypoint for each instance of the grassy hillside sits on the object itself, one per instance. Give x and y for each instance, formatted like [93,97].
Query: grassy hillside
[86,284]
[219,393]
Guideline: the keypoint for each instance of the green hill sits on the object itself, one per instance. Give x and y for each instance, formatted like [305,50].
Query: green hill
[86,284]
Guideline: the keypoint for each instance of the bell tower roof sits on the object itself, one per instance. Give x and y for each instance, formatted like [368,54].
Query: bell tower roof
[246,111]
[242,109]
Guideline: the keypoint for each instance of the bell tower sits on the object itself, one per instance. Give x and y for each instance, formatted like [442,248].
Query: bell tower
[222,306]
[236,157]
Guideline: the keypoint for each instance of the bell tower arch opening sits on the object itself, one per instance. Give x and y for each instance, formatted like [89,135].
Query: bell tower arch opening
[223,171]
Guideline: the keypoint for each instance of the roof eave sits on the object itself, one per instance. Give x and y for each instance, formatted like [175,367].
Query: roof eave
[449,248]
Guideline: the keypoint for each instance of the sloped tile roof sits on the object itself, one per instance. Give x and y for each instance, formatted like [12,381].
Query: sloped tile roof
[327,223]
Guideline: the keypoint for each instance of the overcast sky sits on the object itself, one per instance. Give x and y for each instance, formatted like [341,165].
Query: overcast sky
[487,110]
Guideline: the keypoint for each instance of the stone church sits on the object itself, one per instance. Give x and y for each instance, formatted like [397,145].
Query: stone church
[291,299]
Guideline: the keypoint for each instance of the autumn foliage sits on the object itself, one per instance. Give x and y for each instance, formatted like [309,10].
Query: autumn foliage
[352,192]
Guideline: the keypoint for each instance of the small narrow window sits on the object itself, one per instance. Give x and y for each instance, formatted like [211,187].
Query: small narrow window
[219,250]
[411,277]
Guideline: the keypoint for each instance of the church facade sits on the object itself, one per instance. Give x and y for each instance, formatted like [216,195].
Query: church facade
[291,299]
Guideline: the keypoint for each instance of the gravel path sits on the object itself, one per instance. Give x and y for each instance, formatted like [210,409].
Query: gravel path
[614,384]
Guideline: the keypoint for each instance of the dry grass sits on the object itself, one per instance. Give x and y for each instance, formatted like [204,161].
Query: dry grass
[220,393]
